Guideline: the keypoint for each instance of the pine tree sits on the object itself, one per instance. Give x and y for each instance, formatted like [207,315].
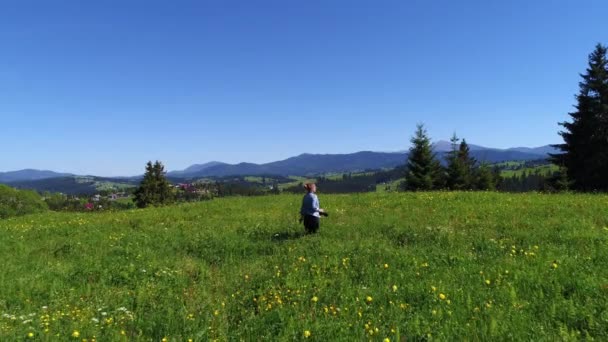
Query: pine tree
[423,170]
[464,154]
[485,179]
[154,188]
[454,169]
[460,166]
[585,149]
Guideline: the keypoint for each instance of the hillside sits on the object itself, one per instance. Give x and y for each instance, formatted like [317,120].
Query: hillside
[76,185]
[407,266]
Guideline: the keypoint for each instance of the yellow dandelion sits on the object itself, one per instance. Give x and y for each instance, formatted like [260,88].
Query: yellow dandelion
[394,288]
[164,339]
[385,265]
[30,334]
[369,299]
[488,282]
[75,333]
[442,296]
[307,333]
[433,288]
[554,265]
[315,299]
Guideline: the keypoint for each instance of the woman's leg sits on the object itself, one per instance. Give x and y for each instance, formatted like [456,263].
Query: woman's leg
[311,223]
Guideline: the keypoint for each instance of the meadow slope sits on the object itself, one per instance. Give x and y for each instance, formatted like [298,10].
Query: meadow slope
[396,266]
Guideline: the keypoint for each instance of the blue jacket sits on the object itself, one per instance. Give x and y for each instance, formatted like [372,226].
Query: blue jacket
[310,205]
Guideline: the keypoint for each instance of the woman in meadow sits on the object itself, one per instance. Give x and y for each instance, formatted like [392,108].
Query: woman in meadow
[310,211]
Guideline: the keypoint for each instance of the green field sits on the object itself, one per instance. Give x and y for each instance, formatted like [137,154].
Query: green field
[396,266]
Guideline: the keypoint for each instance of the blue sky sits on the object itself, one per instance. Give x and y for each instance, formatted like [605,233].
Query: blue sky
[101,87]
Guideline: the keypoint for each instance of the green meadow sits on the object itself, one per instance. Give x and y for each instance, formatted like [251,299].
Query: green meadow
[384,267]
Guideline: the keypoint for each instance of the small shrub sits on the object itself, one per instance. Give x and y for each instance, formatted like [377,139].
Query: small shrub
[15,202]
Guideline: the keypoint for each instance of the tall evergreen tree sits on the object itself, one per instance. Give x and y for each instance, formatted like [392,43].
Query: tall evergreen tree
[423,169]
[585,149]
[464,154]
[460,166]
[454,169]
[154,188]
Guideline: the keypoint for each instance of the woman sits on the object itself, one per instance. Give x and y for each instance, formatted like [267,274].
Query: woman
[310,210]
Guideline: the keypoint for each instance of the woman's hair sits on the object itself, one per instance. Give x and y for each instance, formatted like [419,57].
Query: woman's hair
[308,186]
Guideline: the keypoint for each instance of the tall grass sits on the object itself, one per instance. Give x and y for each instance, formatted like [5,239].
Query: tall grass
[405,266]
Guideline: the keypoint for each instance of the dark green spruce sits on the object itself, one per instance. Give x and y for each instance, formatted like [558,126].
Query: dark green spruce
[154,188]
[584,154]
[423,170]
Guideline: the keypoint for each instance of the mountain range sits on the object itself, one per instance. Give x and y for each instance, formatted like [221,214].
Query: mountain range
[306,164]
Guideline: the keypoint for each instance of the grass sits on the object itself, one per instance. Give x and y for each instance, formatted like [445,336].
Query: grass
[397,266]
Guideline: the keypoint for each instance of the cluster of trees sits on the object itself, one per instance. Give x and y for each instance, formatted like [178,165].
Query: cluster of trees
[15,202]
[584,153]
[424,171]
[527,181]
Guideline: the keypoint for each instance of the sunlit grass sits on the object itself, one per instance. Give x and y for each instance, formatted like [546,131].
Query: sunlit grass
[445,266]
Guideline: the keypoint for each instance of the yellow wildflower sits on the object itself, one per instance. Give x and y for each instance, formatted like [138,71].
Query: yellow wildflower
[75,333]
[394,288]
[488,282]
[307,333]
[315,299]
[369,299]
[442,296]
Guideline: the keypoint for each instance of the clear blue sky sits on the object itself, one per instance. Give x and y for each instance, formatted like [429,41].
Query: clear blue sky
[101,87]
